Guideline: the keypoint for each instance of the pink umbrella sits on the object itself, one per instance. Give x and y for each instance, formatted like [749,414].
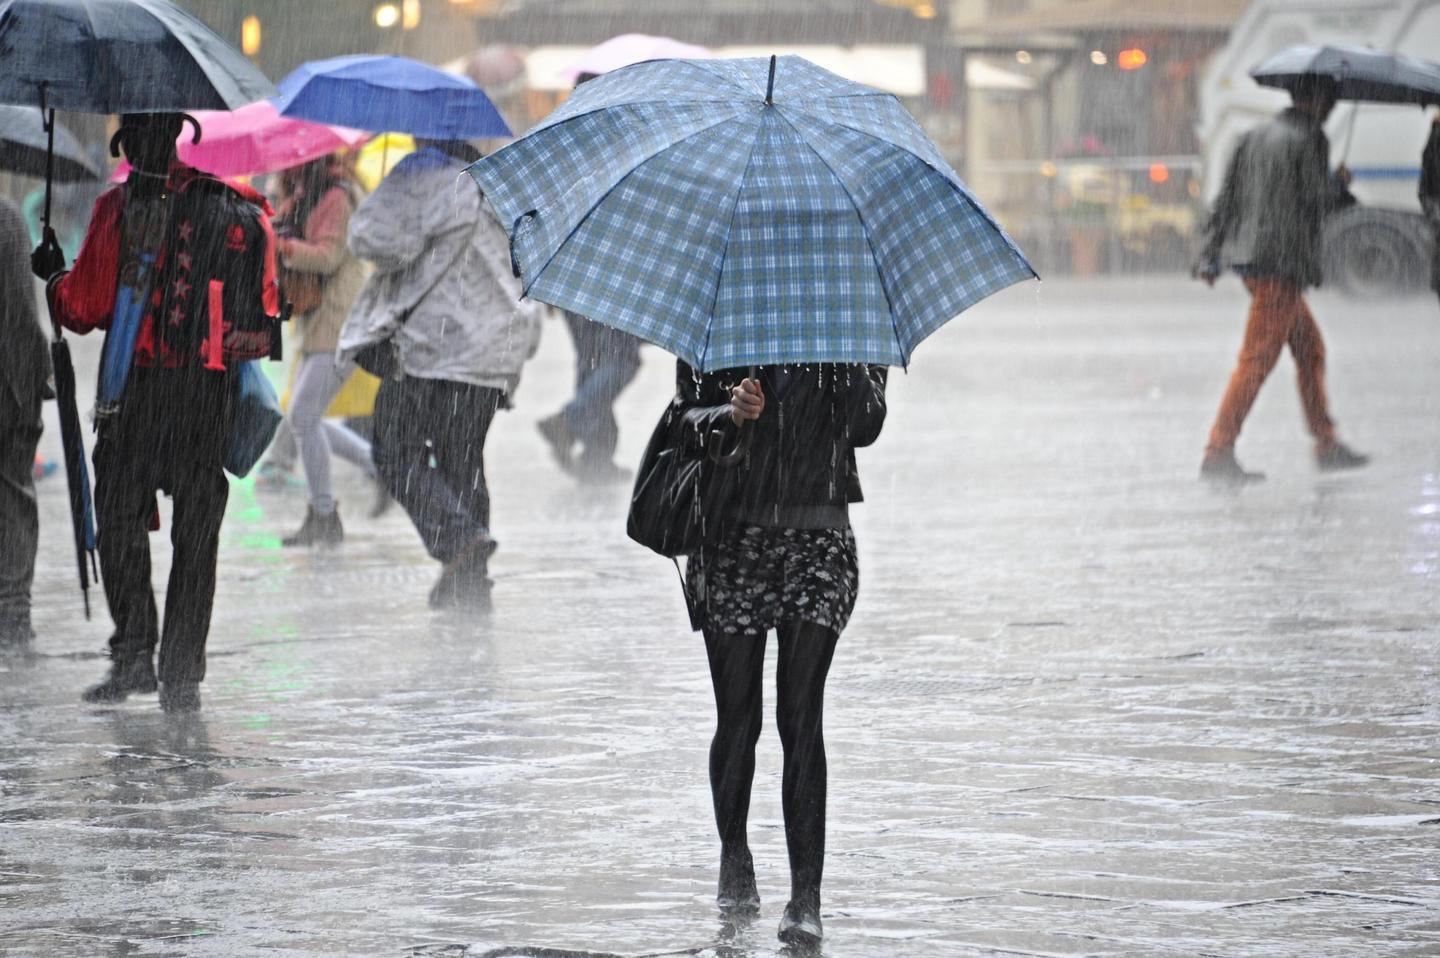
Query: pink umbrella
[256,139]
[631,48]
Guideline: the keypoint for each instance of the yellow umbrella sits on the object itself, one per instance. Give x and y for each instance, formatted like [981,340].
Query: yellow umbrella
[380,155]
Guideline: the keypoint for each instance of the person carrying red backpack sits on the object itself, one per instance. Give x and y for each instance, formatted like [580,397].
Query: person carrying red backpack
[179,269]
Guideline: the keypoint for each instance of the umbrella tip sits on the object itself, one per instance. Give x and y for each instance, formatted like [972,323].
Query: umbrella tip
[770,85]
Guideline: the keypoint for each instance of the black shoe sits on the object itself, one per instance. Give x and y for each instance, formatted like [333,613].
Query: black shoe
[800,926]
[465,580]
[1336,455]
[560,439]
[737,893]
[180,696]
[1222,468]
[318,529]
[124,680]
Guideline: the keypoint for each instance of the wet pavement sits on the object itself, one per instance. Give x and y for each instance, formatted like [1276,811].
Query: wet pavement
[1086,706]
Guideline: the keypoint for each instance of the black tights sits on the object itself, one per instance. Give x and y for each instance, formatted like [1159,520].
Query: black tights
[737,665]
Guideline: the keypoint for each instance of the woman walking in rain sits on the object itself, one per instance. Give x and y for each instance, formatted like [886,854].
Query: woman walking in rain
[322,278]
[781,556]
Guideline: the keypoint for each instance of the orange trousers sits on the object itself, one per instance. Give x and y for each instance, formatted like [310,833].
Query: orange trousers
[1278,316]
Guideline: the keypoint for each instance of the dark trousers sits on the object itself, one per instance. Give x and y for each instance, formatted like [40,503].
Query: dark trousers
[429,448]
[606,360]
[19,519]
[169,436]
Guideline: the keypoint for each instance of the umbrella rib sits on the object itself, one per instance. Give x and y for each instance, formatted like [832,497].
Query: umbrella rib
[874,257]
[601,199]
[950,177]
[720,274]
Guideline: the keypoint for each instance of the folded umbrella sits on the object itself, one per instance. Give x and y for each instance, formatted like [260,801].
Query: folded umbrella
[746,212]
[379,93]
[23,140]
[1359,73]
[257,139]
[77,477]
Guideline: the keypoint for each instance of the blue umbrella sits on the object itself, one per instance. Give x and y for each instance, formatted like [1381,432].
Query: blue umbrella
[746,212]
[382,93]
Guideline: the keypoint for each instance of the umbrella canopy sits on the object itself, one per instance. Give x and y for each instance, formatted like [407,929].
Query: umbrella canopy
[631,48]
[257,139]
[119,56]
[1360,73]
[23,141]
[72,441]
[380,93]
[680,201]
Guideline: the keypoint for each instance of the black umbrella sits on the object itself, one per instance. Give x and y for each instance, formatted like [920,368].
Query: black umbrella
[82,507]
[1359,74]
[23,142]
[118,56]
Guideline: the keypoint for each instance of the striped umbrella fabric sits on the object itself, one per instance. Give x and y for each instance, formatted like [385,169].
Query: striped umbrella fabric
[746,212]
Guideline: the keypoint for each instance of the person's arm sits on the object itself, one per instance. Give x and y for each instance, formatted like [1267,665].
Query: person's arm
[84,298]
[322,248]
[389,228]
[864,392]
[703,408]
[1222,217]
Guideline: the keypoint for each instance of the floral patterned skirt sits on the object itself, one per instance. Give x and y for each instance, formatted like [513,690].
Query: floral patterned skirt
[758,577]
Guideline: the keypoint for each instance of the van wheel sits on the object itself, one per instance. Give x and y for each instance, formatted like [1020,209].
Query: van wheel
[1371,253]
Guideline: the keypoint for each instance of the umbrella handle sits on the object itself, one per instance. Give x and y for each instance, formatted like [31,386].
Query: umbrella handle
[47,119]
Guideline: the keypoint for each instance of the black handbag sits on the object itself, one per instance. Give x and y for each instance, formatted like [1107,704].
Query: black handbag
[681,491]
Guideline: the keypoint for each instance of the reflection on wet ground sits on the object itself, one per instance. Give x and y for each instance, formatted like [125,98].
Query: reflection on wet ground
[1086,707]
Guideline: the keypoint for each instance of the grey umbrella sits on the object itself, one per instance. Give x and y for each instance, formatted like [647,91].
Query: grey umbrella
[23,147]
[1360,74]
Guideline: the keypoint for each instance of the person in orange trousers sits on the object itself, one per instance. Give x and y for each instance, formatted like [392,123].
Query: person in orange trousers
[1266,226]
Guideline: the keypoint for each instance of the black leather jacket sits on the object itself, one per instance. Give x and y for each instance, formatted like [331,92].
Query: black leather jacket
[799,471]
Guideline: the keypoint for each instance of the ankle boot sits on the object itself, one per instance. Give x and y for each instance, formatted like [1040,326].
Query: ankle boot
[318,529]
[737,892]
[126,678]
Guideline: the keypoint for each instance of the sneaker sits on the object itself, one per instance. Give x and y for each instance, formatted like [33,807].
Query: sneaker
[1334,456]
[273,477]
[1222,468]
[318,529]
[559,437]
[124,680]
[180,696]
[800,926]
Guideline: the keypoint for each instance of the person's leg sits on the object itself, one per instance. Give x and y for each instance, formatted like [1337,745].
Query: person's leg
[737,667]
[806,651]
[406,416]
[200,492]
[1273,307]
[315,386]
[124,505]
[459,444]
[614,362]
[347,444]
[1308,348]
[20,520]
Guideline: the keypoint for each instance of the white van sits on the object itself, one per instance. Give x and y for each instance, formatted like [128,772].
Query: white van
[1383,245]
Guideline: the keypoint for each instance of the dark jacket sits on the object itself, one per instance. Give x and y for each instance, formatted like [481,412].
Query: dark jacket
[800,469]
[24,352]
[1430,197]
[1268,218]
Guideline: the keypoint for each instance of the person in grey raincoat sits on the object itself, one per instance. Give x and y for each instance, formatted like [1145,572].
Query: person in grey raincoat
[24,374]
[444,297]
[1267,227]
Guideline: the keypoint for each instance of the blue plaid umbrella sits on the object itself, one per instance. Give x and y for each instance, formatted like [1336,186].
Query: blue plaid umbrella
[746,212]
